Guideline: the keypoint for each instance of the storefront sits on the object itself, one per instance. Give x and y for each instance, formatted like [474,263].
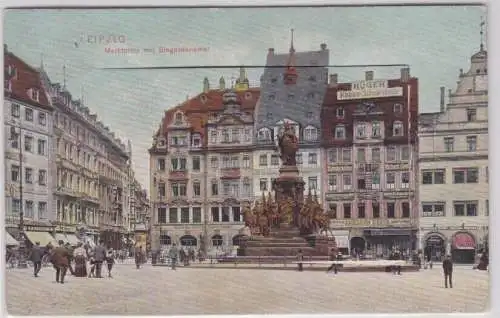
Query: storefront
[435,247]
[463,249]
[381,242]
[342,241]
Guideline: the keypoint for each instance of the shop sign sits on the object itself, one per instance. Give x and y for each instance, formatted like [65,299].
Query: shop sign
[369,89]
[371,223]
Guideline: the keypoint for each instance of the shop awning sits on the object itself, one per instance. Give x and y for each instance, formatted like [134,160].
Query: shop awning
[61,237]
[72,239]
[10,241]
[464,241]
[342,241]
[43,238]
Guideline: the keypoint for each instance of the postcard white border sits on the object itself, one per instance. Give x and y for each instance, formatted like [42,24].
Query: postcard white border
[494,114]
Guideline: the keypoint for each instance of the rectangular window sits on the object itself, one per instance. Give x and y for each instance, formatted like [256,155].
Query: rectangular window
[42,177]
[376,210]
[183,164]
[487,208]
[361,130]
[235,162]
[390,180]
[42,209]
[376,132]
[162,215]
[16,206]
[196,189]
[184,215]
[162,189]
[376,180]
[361,156]
[346,155]
[465,175]
[14,139]
[347,181]
[196,215]
[28,143]
[225,214]
[298,158]
[332,210]
[332,182]
[433,176]
[41,147]
[263,160]
[175,163]
[405,180]
[465,208]
[237,217]
[332,156]
[376,154]
[313,183]
[391,210]
[347,210]
[161,164]
[246,161]
[215,214]
[391,154]
[275,160]
[405,210]
[449,143]
[361,184]
[361,211]
[215,188]
[28,114]
[196,163]
[14,173]
[214,163]
[15,110]
[471,114]
[29,210]
[433,209]
[471,143]
[263,184]
[42,119]
[172,215]
[405,153]
[28,175]
[312,158]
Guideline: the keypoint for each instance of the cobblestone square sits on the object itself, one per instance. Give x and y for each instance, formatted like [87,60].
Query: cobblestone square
[160,291]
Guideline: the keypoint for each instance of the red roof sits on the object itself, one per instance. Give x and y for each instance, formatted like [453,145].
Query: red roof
[25,79]
[198,109]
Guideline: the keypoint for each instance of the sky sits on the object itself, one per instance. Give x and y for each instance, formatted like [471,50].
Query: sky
[434,41]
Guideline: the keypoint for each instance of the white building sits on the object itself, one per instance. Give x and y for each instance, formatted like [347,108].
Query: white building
[453,167]
[27,130]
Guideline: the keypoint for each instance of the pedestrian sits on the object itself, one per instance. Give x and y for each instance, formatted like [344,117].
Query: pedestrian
[448,271]
[395,256]
[300,258]
[70,251]
[110,260]
[80,257]
[36,257]
[173,253]
[92,263]
[99,258]
[60,259]
[138,256]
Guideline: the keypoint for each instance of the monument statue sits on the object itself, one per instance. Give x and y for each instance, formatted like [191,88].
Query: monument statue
[288,145]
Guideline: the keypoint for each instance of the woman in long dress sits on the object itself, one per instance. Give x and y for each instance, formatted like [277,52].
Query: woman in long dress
[80,257]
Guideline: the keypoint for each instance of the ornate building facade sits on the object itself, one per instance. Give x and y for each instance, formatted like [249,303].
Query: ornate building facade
[90,172]
[201,167]
[370,160]
[28,130]
[454,207]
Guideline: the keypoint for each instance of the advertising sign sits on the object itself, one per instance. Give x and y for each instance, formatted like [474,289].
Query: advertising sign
[369,89]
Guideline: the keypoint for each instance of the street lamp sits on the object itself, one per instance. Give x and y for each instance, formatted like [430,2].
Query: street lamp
[22,241]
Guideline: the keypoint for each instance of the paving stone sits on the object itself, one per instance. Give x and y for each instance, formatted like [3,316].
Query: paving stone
[161,291]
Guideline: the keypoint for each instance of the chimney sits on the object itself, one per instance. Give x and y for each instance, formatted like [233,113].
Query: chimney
[441,102]
[323,46]
[369,76]
[222,83]
[206,85]
[5,48]
[449,92]
[405,74]
[334,79]
[461,72]
[270,51]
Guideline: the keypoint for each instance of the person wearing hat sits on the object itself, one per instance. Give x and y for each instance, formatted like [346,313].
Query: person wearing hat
[448,271]
[60,259]
[35,256]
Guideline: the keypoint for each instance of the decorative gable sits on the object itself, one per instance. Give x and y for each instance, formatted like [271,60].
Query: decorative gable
[228,120]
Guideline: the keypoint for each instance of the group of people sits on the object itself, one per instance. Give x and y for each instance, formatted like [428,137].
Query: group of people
[63,256]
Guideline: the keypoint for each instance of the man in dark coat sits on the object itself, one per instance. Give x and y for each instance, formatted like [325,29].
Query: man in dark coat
[36,257]
[448,271]
[60,259]
[99,258]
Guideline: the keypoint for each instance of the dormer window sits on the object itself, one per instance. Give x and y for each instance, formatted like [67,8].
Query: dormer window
[203,98]
[310,133]
[35,94]
[264,134]
[11,71]
[398,108]
[340,132]
[340,112]
[178,119]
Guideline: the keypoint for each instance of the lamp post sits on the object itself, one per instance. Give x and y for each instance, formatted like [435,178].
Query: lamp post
[22,242]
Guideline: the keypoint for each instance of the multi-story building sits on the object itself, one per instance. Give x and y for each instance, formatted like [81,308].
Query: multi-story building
[453,167]
[291,93]
[28,157]
[370,139]
[201,164]
[90,172]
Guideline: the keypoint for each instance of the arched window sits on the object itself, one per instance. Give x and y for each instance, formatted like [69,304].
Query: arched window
[165,240]
[217,240]
[397,129]
[188,240]
[310,133]
[264,134]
